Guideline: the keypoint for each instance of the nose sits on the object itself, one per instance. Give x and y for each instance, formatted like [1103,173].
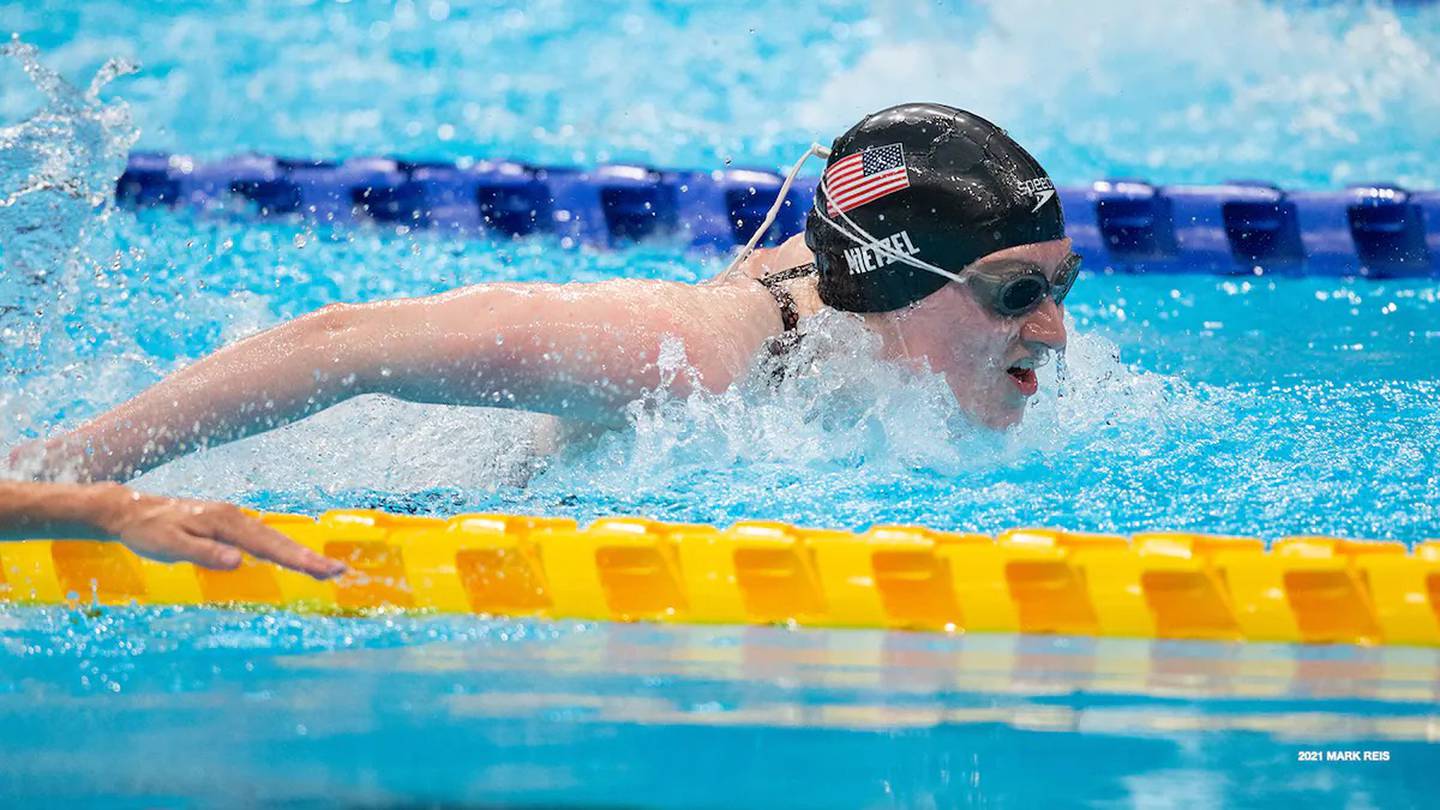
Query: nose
[1045,326]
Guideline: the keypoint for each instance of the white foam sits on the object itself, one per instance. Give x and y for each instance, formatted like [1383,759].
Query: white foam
[1174,89]
[370,442]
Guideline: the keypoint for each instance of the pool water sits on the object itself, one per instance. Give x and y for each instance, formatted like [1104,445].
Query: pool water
[1251,405]
[156,707]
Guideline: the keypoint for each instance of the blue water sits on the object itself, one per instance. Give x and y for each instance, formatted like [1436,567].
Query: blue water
[149,707]
[1308,93]
[1261,405]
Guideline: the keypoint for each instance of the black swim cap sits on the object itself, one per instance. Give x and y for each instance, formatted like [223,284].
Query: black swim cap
[927,180]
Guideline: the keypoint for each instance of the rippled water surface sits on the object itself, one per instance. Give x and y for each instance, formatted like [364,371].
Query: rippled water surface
[1256,405]
[1293,92]
[147,707]
[1191,402]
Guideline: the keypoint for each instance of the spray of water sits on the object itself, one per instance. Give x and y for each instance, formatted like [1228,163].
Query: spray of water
[1318,94]
[1217,434]
[57,178]
[58,168]
[829,417]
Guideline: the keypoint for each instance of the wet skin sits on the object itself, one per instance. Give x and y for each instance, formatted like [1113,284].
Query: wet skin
[987,359]
[577,351]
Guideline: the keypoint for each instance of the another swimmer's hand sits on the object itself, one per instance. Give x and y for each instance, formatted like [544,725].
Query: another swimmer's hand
[211,535]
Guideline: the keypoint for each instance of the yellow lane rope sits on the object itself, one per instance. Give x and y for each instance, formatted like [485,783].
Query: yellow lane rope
[1152,585]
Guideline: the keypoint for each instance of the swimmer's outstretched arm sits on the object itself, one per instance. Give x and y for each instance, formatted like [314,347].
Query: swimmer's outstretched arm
[166,529]
[576,350]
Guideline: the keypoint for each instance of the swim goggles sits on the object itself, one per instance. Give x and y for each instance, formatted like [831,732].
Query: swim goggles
[1011,295]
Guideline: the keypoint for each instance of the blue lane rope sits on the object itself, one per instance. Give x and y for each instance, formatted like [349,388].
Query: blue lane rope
[1378,231]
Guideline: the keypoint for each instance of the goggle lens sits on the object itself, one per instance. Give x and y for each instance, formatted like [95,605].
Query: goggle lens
[1065,278]
[1020,295]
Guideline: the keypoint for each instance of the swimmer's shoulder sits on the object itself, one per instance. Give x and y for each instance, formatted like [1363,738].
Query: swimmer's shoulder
[763,302]
[765,261]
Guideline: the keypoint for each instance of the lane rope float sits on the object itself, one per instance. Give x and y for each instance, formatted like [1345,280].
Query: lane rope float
[1164,585]
[1379,230]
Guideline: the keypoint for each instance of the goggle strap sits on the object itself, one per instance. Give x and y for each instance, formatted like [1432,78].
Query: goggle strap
[882,248]
[1069,272]
[850,229]
[815,149]
[853,232]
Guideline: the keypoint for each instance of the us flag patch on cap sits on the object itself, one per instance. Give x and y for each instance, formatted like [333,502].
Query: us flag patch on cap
[864,177]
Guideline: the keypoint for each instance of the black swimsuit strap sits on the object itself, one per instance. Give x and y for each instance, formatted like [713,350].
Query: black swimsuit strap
[788,316]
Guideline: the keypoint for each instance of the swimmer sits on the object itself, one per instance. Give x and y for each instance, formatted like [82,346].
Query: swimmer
[211,535]
[930,225]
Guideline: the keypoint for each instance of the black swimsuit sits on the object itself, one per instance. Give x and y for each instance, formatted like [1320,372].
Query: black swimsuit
[788,316]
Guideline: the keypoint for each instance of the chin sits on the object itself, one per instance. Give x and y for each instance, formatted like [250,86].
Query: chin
[1001,410]
[1005,418]
[998,416]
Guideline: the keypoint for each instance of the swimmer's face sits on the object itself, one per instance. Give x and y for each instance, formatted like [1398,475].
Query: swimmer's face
[986,358]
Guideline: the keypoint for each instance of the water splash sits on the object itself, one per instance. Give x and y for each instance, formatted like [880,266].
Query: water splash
[1230,411]
[848,438]
[386,445]
[1206,404]
[839,415]
[58,167]
[1292,92]
[1308,94]
[57,178]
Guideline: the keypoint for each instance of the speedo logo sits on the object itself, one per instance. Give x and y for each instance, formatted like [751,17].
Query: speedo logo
[1040,188]
[883,251]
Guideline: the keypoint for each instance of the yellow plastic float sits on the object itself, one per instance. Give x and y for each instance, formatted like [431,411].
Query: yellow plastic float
[1153,585]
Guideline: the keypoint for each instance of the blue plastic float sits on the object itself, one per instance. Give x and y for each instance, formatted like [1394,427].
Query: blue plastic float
[1378,231]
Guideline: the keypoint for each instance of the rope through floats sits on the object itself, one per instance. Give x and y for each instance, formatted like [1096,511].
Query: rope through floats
[1379,230]
[1152,585]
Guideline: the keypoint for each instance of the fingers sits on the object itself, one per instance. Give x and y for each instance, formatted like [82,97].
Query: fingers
[201,551]
[230,525]
[211,535]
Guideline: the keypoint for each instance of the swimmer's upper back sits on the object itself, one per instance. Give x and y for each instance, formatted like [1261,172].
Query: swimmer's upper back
[769,263]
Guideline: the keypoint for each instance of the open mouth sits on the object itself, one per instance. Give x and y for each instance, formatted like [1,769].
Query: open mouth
[1024,379]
